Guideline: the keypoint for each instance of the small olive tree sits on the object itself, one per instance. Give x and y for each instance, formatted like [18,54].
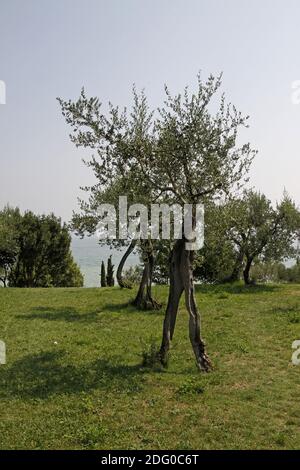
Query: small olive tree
[117,138]
[259,231]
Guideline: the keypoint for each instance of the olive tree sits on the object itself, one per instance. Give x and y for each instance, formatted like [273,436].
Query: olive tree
[259,231]
[117,139]
[196,158]
[185,153]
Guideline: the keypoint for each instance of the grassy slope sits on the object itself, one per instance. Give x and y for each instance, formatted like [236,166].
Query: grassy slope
[89,390]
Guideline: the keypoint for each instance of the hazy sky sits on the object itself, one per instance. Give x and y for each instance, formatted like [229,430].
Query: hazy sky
[53,48]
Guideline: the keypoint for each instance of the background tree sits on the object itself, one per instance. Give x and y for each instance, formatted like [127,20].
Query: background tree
[118,139]
[217,260]
[87,222]
[133,275]
[103,275]
[161,272]
[124,281]
[270,271]
[110,280]
[144,299]
[259,231]
[44,256]
[9,219]
[291,274]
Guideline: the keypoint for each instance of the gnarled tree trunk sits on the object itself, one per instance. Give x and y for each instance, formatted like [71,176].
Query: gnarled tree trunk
[181,280]
[144,299]
[246,272]
[121,282]
[236,272]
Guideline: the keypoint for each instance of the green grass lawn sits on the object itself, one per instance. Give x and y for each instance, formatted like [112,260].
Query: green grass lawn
[74,380]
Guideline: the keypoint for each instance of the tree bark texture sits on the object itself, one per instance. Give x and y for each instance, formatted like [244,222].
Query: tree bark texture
[122,283]
[181,280]
[144,299]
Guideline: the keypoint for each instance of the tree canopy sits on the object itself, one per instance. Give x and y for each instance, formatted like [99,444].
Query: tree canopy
[260,231]
[37,251]
[184,152]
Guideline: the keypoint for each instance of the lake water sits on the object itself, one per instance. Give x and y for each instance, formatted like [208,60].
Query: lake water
[88,254]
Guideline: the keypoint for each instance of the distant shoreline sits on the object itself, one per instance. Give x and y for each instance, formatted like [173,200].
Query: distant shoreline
[88,254]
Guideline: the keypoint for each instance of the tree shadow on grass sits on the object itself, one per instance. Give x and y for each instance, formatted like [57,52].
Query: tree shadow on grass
[116,308]
[71,314]
[68,314]
[236,288]
[46,374]
[128,307]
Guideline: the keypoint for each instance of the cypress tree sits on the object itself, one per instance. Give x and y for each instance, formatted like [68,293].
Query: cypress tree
[110,273]
[103,276]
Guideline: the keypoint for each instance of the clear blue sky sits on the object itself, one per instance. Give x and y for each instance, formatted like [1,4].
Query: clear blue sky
[53,48]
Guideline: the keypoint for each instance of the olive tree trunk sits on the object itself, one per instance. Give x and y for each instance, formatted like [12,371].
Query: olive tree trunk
[122,283]
[181,280]
[144,299]
[238,265]
[246,272]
